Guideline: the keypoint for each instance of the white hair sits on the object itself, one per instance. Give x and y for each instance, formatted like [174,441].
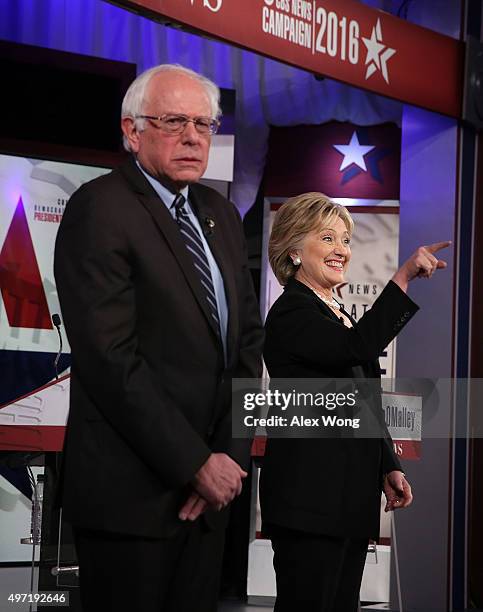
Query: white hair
[135,98]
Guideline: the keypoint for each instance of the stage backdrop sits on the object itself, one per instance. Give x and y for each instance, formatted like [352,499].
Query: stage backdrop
[33,195]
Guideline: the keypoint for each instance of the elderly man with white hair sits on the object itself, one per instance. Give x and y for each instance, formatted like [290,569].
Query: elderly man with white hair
[160,313]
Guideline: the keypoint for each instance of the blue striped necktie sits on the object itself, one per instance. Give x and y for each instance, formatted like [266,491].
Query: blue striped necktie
[195,246]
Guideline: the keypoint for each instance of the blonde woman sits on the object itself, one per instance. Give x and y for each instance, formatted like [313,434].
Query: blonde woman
[320,498]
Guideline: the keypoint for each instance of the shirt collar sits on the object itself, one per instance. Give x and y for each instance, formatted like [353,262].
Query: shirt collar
[163,192]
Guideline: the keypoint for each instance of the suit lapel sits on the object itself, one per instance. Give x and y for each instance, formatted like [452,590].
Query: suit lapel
[360,371]
[295,285]
[206,215]
[168,227]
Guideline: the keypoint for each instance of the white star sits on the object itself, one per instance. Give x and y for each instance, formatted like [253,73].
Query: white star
[376,56]
[353,153]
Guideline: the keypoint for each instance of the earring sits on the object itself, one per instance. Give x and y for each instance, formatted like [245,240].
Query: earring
[297,261]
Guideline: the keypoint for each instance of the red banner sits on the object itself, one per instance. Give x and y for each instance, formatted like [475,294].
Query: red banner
[407,449]
[23,438]
[341,39]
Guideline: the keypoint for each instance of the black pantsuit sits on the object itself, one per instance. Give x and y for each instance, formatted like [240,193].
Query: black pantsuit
[329,488]
[317,573]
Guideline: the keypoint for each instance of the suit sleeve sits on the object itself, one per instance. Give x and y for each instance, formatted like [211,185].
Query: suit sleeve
[249,363]
[95,276]
[325,343]
[390,462]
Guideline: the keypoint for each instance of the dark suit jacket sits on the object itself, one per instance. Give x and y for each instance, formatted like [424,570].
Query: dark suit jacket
[150,394]
[328,486]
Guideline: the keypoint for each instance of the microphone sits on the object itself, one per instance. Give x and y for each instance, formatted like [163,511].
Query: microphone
[57,322]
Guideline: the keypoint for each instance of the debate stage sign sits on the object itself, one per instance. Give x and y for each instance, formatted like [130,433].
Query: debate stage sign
[341,39]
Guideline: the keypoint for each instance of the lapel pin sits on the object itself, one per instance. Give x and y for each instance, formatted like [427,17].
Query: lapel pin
[210,224]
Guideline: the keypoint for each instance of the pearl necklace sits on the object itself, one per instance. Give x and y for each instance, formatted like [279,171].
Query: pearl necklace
[333,302]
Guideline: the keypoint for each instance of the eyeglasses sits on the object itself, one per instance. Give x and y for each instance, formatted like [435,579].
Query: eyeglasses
[176,124]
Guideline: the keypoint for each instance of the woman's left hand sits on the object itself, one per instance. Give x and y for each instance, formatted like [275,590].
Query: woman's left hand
[397,491]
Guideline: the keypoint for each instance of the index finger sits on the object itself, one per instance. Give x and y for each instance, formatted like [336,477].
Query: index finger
[188,506]
[437,246]
[197,509]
